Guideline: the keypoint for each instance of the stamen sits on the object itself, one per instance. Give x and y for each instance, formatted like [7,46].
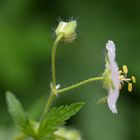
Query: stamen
[125,69]
[130,87]
[120,72]
[121,77]
[133,79]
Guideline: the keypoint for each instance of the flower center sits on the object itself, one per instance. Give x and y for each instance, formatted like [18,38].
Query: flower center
[124,79]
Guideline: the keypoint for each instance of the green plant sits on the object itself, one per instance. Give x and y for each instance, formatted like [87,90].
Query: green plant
[48,128]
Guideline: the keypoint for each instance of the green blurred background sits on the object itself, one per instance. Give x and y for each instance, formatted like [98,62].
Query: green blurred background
[26,36]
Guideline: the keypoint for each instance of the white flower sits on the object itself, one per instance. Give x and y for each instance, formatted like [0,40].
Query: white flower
[113,78]
[112,68]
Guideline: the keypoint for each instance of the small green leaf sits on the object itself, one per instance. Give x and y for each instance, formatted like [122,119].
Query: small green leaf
[102,100]
[20,118]
[56,117]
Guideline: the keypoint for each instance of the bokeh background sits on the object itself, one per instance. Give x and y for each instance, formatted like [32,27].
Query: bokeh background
[26,36]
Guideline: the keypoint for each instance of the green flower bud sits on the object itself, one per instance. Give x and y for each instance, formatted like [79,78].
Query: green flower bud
[67,29]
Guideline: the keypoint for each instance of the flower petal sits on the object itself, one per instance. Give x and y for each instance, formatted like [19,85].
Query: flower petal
[112,100]
[110,46]
[113,68]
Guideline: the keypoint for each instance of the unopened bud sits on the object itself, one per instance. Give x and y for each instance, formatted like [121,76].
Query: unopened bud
[67,29]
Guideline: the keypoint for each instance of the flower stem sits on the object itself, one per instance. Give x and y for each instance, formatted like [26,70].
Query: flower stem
[53,87]
[80,84]
[53,59]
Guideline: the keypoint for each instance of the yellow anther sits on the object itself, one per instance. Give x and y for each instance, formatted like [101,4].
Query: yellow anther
[125,69]
[133,79]
[120,71]
[130,87]
[121,77]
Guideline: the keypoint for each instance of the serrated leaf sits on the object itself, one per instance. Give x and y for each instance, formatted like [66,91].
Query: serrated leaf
[17,112]
[56,117]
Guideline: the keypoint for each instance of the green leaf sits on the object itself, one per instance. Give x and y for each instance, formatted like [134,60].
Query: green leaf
[20,118]
[56,117]
[102,100]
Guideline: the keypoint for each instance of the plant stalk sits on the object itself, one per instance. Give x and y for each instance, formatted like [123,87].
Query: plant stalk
[80,84]
[53,87]
[53,59]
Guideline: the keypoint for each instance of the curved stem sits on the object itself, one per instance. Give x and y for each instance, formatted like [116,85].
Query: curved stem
[80,84]
[53,87]
[53,58]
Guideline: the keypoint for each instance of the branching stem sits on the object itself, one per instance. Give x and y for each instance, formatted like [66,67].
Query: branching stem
[53,87]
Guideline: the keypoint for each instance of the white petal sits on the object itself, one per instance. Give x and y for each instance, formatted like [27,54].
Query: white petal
[112,100]
[110,46]
[113,67]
